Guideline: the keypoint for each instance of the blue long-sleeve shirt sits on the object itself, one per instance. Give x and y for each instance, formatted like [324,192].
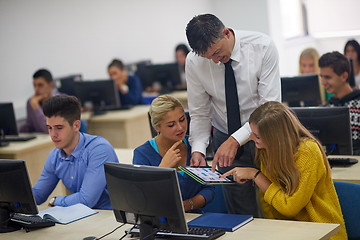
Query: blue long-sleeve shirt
[82,173]
[134,96]
[147,154]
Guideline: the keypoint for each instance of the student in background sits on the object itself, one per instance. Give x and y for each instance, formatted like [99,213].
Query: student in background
[44,89]
[129,87]
[352,50]
[294,177]
[181,52]
[308,64]
[334,74]
[77,160]
[170,148]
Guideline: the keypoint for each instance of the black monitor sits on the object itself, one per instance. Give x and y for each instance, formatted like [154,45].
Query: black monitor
[330,125]
[351,78]
[15,193]
[102,94]
[8,124]
[167,76]
[146,195]
[301,91]
[66,84]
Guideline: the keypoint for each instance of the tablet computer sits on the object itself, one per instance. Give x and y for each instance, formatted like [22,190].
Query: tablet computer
[204,175]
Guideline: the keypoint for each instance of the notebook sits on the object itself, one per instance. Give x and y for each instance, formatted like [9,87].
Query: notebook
[65,215]
[227,222]
[204,175]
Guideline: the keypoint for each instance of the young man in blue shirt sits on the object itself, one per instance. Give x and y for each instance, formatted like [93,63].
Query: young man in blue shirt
[77,160]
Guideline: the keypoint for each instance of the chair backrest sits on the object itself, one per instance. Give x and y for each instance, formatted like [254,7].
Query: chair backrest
[349,198]
[153,131]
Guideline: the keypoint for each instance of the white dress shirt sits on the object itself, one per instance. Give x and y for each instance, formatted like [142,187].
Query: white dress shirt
[256,68]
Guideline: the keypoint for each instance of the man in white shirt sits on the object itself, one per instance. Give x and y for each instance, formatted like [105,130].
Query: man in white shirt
[255,64]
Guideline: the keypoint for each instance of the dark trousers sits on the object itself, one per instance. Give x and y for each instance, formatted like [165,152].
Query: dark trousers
[239,198]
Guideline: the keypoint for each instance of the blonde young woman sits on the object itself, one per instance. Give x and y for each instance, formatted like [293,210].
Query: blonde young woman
[294,177]
[170,148]
[309,64]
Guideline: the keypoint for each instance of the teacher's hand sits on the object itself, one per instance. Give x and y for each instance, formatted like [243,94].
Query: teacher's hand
[197,159]
[226,153]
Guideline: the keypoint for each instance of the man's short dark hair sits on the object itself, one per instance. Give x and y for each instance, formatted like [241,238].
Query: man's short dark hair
[202,31]
[64,106]
[335,60]
[44,74]
[116,63]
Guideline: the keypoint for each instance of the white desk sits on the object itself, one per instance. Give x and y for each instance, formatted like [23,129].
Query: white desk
[123,129]
[125,155]
[104,222]
[347,174]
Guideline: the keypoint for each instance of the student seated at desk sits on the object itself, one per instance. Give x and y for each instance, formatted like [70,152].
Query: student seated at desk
[294,177]
[129,87]
[78,159]
[43,87]
[334,73]
[170,148]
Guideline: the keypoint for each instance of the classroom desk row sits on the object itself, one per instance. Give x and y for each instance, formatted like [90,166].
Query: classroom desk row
[104,222]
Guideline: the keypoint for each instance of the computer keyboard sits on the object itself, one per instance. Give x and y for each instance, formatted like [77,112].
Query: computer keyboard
[17,138]
[342,161]
[31,221]
[194,233]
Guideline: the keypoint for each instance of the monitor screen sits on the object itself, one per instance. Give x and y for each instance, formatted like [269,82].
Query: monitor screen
[66,84]
[301,91]
[101,94]
[167,76]
[146,195]
[8,124]
[330,125]
[15,193]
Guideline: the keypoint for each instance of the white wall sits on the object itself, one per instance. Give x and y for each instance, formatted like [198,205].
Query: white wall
[83,36]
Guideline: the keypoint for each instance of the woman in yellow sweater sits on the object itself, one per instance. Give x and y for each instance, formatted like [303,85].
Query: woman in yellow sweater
[295,176]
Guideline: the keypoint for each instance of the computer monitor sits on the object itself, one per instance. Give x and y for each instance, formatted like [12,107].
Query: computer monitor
[330,125]
[167,76]
[351,78]
[102,94]
[146,195]
[15,193]
[301,91]
[8,124]
[66,84]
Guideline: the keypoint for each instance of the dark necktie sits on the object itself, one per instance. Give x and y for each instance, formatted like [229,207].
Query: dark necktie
[232,100]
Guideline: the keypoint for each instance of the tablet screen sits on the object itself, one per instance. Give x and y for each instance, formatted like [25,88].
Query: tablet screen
[206,174]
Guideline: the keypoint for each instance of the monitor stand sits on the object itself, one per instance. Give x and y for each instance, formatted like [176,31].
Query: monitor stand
[5,223]
[3,143]
[147,230]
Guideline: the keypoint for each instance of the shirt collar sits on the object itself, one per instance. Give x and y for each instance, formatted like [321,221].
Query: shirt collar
[235,55]
[76,153]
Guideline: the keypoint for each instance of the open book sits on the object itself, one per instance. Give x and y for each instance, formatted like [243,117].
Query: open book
[65,215]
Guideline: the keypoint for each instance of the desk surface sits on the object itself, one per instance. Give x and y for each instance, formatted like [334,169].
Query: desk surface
[104,222]
[41,141]
[347,174]
[117,115]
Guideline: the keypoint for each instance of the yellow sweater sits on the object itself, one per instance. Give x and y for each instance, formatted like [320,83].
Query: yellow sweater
[315,199]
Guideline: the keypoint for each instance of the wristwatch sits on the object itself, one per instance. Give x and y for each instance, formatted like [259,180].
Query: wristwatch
[52,202]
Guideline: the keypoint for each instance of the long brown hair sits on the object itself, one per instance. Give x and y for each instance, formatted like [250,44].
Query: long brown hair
[281,132]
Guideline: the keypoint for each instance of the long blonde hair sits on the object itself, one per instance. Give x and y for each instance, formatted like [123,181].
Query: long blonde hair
[281,132]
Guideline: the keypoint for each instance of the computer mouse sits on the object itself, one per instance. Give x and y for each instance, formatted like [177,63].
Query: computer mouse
[90,238]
